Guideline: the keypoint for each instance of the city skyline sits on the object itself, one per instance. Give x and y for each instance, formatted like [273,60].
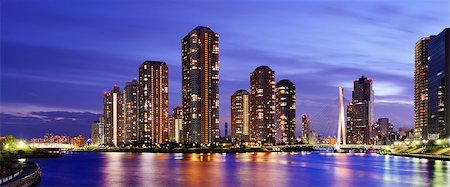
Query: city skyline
[394,86]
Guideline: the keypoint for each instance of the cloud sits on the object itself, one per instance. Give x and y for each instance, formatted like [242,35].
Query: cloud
[30,110]
[37,124]
[387,89]
[65,59]
[394,101]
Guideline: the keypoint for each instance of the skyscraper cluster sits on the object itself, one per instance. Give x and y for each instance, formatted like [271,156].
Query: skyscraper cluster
[139,114]
[431,87]
[266,114]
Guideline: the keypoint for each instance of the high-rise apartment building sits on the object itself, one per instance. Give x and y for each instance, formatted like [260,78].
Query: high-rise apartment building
[130,101]
[153,102]
[262,105]
[240,115]
[438,85]
[306,120]
[360,112]
[285,101]
[200,86]
[421,89]
[171,128]
[177,126]
[113,116]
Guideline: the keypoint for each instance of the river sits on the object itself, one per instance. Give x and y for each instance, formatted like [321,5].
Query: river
[243,169]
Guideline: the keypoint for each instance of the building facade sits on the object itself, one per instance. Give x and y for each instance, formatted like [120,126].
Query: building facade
[240,115]
[306,120]
[285,106]
[383,132]
[50,138]
[97,132]
[130,101]
[171,128]
[360,112]
[113,117]
[78,141]
[153,103]
[262,105]
[421,89]
[438,85]
[200,86]
[177,130]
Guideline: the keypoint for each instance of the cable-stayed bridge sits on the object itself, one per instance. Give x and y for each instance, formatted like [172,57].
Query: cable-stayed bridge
[331,121]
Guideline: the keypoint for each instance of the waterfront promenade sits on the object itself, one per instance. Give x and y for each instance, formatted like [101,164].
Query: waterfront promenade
[29,175]
[426,156]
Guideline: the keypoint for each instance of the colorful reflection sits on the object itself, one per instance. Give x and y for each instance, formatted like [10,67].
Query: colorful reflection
[243,169]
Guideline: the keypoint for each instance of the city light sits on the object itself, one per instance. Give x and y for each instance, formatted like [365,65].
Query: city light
[21,144]
[280,62]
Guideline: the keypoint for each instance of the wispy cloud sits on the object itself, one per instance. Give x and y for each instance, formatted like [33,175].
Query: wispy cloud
[65,58]
[30,110]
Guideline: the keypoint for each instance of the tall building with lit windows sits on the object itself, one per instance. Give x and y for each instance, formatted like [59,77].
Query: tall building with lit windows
[306,120]
[176,124]
[262,105]
[130,106]
[240,115]
[200,86]
[285,106]
[153,104]
[360,112]
[421,89]
[439,85]
[113,117]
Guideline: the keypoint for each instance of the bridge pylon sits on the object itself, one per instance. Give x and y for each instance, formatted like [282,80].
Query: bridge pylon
[342,135]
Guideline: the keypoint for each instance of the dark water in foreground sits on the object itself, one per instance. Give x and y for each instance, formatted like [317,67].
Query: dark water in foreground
[244,169]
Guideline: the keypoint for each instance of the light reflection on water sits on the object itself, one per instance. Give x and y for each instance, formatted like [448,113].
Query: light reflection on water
[243,169]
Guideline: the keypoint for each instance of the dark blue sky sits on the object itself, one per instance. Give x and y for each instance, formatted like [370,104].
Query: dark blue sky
[57,57]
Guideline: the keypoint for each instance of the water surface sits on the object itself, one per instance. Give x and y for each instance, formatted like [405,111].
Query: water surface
[243,169]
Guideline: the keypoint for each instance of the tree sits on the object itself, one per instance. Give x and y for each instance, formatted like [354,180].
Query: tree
[9,143]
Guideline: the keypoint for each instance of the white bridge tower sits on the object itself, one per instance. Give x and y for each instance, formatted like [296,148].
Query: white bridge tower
[342,135]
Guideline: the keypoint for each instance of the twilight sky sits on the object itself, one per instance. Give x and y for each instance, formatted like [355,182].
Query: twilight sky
[58,56]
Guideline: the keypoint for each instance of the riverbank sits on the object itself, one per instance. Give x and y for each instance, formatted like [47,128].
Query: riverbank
[199,150]
[426,156]
[37,155]
[40,154]
[427,152]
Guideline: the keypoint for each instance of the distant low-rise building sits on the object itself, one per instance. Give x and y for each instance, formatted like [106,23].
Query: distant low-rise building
[78,141]
[329,140]
[97,132]
[314,138]
[383,132]
[50,138]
